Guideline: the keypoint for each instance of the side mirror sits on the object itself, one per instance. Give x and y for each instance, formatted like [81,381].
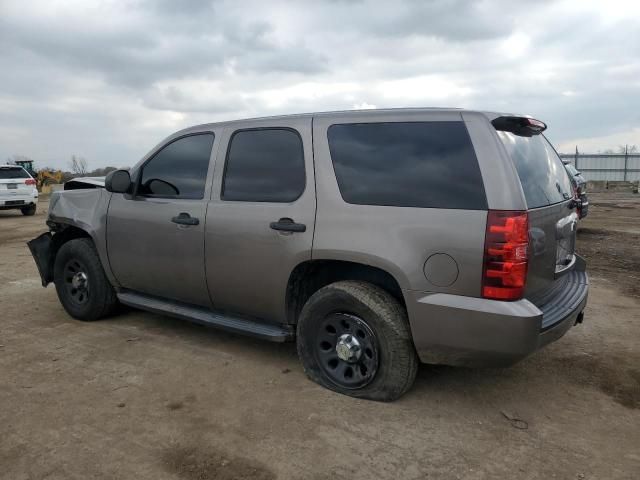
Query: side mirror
[155,186]
[118,181]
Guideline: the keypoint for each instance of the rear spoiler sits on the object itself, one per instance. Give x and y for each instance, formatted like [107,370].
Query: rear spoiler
[522,126]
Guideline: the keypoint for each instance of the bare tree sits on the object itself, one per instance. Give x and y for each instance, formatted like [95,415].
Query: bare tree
[78,165]
[628,149]
[100,172]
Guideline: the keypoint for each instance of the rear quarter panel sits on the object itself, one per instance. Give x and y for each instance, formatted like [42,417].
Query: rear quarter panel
[398,240]
[499,174]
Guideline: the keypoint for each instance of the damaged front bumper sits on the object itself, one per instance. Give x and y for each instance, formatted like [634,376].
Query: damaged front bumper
[41,248]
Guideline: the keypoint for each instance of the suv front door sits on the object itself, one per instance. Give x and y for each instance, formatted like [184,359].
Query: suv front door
[155,236]
[261,218]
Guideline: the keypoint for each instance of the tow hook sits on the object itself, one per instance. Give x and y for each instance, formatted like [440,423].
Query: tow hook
[579,318]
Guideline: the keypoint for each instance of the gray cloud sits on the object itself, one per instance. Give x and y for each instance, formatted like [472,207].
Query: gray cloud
[110,79]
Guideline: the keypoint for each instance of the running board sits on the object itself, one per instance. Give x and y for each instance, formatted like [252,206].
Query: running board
[204,316]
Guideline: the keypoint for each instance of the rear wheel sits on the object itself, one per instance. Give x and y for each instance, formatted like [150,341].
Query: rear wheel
[354,338]
[82,287]
[28,211]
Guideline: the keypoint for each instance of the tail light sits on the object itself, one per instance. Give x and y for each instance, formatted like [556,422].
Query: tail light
[506,255]
[29,181]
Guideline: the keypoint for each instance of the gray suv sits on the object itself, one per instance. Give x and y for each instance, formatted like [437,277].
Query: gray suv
[374,239]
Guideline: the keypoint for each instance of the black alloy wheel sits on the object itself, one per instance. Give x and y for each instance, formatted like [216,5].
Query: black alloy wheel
[76,282]
[347,350]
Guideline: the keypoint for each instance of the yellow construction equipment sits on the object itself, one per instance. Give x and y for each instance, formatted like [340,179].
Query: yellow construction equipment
[47,177]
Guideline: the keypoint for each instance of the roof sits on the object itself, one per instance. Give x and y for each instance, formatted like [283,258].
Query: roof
[339,113]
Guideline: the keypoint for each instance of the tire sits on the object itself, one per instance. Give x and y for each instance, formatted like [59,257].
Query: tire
[82,287]
[28,211]
[378,323]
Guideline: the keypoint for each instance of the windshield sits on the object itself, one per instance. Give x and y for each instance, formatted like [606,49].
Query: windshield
[542,174]
[13,172]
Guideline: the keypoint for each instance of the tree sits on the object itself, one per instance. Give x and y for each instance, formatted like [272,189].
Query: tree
[78,165]
[100,172]
[628,149]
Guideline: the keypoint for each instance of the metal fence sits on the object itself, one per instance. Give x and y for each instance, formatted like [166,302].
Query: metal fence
[616,166]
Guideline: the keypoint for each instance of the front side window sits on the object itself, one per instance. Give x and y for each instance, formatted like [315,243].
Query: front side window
[407,164]
[264,165]
[179,170]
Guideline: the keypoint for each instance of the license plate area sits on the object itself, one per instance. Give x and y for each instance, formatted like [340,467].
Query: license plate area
[12,186]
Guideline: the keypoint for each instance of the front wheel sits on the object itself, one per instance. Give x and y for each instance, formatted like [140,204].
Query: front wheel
[83,288]
[354,338]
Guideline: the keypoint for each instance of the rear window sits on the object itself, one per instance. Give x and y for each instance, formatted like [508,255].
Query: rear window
[13,172]
[410,164]
[543,177]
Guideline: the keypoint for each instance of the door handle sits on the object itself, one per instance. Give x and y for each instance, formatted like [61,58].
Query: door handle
[288,225]
[185,219]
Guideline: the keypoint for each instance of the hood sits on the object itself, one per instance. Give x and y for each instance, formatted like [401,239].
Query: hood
[84,182]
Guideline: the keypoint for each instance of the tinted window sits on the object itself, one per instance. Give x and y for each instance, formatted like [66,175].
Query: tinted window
[179,169]
[264,166]
[544,179]
[418,164]
[13,172]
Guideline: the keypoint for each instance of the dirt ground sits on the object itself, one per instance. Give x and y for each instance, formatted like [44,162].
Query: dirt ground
[147,397]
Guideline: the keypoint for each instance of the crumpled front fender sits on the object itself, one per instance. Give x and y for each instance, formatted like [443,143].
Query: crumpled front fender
[84,209]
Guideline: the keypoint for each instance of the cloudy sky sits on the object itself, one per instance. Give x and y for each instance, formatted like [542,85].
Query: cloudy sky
[107,80]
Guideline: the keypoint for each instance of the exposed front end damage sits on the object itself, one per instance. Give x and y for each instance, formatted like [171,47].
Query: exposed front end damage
[41,250]
[72,214]
[84,183]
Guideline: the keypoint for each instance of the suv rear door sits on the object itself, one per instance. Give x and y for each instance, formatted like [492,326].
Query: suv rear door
[552,211]
[260,221]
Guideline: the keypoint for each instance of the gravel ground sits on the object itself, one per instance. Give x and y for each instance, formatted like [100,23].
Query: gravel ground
[144,396]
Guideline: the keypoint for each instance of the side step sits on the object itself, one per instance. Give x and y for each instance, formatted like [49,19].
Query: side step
[204,316]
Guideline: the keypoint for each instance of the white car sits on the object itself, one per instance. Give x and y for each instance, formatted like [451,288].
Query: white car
[17,190]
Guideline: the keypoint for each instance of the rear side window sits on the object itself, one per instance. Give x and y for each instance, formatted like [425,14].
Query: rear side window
[179,170]
[543,177]
[411,164]
[13,172]
[265,165]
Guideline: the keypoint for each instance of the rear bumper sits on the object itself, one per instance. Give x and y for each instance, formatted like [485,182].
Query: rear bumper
[468,331]
[8,202]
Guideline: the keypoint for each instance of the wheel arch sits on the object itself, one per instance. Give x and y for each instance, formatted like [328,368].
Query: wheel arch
[63,235]
[311,275]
